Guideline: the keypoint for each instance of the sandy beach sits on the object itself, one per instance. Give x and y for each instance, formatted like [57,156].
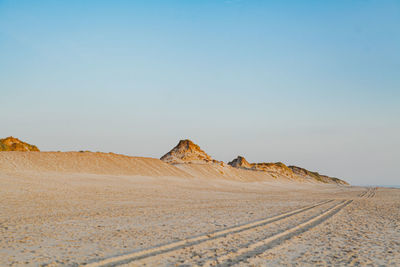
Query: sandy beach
[77,216]
[199,133]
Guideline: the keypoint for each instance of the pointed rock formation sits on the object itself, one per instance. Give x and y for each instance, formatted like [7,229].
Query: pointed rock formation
[186,152]
[14,144]
[240,162]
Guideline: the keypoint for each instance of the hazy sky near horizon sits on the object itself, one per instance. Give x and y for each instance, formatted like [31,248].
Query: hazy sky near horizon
[309,83]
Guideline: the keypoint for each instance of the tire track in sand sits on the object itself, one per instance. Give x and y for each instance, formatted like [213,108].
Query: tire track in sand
[161,249]
[263,245]
[363,194]
[372,192]
[369,193]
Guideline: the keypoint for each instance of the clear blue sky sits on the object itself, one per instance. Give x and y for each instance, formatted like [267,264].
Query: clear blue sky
[310,83]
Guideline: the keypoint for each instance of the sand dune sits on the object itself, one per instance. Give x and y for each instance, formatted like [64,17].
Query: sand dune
[186,159]
[86,162]
[219,171]
[191,158]
[115,164]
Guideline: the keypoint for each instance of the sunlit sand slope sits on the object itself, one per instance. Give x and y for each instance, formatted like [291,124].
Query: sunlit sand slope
[115,164]
[86,162]
[212,171]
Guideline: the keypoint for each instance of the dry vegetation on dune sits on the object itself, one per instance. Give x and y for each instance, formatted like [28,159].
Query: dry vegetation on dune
[14,144]
[279,169]
[316,176]
[187,152]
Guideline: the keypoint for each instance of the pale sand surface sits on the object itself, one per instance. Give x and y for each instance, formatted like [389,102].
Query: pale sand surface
[365,233]
[65,216]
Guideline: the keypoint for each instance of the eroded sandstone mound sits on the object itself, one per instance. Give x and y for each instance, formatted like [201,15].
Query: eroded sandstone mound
[14,144]
[186,152]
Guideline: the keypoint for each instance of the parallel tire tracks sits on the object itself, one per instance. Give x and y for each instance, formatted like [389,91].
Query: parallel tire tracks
[372,193]
[118,260]
[369,193]
[263,245]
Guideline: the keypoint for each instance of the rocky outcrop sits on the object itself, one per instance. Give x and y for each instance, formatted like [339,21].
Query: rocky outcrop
[187,152]
[14,144]
[309,175]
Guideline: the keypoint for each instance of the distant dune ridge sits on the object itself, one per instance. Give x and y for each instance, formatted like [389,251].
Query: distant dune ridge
[288,171]
[186,159]
[316,176]
[14,144]
[275,169]
[187,152]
